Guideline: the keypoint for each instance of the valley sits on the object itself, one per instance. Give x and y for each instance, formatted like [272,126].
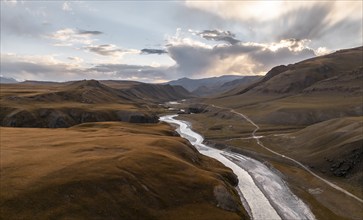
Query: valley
[258,185]
[312,136]
[181,110]
[263,149]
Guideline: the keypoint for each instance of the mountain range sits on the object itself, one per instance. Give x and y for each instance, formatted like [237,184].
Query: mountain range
[304,121]
[213,85]
[48,104]
[4,80]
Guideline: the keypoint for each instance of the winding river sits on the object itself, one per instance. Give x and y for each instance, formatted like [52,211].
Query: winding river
[263,193]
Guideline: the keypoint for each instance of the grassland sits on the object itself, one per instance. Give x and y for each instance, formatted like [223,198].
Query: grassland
[111,170]
[94,168]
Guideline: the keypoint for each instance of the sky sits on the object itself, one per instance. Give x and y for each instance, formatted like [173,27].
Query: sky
[158,41]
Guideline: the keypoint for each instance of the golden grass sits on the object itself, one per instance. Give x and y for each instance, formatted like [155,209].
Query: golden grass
[108,170]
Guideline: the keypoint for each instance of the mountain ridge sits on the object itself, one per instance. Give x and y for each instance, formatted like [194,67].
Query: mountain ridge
[67,104]
[294,78]
[213,85]
[6,80]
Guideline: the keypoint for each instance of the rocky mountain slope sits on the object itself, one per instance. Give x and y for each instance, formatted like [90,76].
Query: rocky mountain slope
[294,78]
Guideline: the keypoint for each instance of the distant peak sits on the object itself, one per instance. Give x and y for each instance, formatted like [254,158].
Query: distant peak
[87,83]
[91,82]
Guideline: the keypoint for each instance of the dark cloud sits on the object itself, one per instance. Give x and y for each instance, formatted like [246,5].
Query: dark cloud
[89,32]
[268,59]
[153,51]
[106,50]
[191,60]
[240,58]
[218,35]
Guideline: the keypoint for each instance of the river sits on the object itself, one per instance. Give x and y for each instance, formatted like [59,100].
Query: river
[264,194]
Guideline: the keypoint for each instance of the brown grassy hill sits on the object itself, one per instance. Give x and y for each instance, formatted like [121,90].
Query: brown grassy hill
[161,93]
[111,170]
[86,91]
[304,93]
[149,92]
[295,78]
[349,83]
[67,104]
[93,91]
[335,148]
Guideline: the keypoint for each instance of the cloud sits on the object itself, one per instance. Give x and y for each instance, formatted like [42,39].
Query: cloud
[218,35]
[84,39]
[322,51]
[267,10]
[71,37]
[322,22]
[180,39]
[109,50]
[48,67]
[84,32]
[66,6]
[10,2]
[153,51]
[132,72]
[312,25]
[195,59]
[191,60]
[76,60]
[273,32]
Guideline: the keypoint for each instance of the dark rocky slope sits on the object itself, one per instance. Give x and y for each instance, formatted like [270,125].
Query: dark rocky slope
[66,104]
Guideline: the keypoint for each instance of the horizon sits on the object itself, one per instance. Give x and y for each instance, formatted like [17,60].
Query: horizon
[123,79]
[156,42]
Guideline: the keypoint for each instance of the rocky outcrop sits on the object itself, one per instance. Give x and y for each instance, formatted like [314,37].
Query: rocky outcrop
[225,199]
[348,164]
